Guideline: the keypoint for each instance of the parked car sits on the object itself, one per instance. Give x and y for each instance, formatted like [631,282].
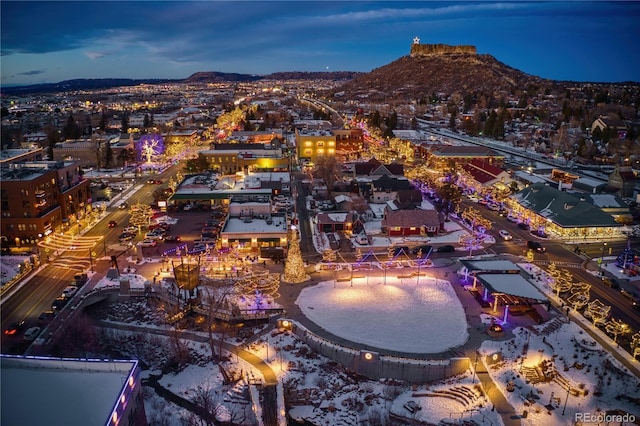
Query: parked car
[14,328]
[69,291]
[610,282]
[160,225]
[112,224]
[512,218]
[505,235]
[31,333]
[154,235]
[126,236]
[425,249]
[448,248]
[80,279]
[631,295]
[148,243]
[46,316]
[217,215]
[535,245]
[131,230]
[523,226]
[58,304]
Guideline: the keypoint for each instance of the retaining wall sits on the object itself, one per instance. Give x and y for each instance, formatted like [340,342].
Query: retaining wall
[376,366]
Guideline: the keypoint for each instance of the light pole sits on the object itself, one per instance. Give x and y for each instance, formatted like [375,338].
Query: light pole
[419,264]
[475,368]
[604,246]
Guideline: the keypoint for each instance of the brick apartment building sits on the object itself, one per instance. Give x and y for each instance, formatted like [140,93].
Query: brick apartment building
[36,197]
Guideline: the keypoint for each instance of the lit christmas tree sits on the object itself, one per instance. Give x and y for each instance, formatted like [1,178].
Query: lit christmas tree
[294,266]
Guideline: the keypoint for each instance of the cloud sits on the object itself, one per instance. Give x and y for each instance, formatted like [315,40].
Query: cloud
[95,55]
[32,72]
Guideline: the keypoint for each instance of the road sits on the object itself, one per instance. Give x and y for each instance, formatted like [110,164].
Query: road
[36,294]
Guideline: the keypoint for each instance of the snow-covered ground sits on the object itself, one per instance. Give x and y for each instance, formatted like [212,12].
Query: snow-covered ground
[12,266]
[573,361]
[388,315]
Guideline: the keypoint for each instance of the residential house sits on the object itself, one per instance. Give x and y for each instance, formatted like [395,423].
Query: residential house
[335,221]
[386,188]
[624,180]
[615,126]
[410,222]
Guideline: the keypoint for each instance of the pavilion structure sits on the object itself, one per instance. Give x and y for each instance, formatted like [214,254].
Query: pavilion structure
[500,282]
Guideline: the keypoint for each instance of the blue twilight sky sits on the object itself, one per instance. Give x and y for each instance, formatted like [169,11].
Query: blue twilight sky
[46,42]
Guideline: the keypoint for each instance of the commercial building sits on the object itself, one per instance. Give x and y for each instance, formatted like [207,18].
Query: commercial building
[38,196]
[71,392]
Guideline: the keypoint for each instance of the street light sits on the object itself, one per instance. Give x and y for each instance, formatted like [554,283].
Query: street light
[475,368]
[604,246]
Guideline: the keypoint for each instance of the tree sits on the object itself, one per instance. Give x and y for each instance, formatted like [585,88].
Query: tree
[294,265]
[53,137]
[327,169]
[108,155]
[146,122]
[71,130]
[103,122]
[450,196]
[124,122]
[197,165]
[140,215]
[125,156]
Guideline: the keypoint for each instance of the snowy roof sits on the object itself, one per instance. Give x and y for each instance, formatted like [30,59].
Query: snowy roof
[59,391]
[512,284]
[490,265]
[255,226]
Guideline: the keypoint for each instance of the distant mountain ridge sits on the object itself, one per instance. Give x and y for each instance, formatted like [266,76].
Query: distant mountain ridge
[427,69]
[202,77]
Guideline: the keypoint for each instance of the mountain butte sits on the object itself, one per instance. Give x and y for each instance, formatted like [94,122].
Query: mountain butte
[434,68]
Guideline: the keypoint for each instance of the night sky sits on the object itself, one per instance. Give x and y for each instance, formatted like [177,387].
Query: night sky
[47,42]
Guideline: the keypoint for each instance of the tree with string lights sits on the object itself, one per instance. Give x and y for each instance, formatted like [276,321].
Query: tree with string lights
[294,266]
[149,146]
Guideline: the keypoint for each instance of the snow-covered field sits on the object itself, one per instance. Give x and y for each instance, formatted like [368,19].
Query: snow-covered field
[391,315]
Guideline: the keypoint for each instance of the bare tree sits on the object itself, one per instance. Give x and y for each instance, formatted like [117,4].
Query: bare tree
[327,169]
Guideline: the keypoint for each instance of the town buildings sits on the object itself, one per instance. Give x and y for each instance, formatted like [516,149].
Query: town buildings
[39,196]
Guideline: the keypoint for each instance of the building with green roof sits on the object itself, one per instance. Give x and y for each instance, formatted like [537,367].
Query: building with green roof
[564,214]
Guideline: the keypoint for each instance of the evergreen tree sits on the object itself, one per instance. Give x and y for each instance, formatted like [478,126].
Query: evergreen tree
[392,122]
[71,129]
[124,122]
[108,155]
[52,139]
[103,122]
[146,121]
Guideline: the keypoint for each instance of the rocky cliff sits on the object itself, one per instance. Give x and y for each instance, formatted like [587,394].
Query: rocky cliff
[440,49]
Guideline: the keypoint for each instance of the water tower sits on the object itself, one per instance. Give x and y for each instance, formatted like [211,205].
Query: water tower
[187,274]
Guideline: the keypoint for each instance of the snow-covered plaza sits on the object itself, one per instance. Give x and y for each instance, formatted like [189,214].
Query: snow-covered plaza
[401,314]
